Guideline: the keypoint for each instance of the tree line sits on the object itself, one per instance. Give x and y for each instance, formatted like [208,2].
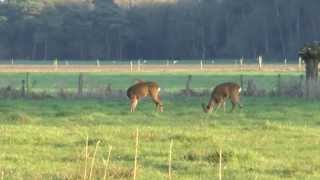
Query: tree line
[187,29]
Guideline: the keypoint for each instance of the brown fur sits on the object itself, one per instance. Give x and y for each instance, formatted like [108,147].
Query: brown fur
[142,89]
[221,93]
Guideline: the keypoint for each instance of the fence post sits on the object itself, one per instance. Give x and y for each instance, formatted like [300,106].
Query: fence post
[23,88]
[241,63]
[241,81]
[136,156]
[167,63]
[220,164]
[170,160]
[308,88]
[300,62]
[80,85]
[55,63]
[285,61]
[279,85]
[12,61]
[98,63]
[139,64]
[131,66]
[201,65]
[27,83]
[301,84]
[260,62]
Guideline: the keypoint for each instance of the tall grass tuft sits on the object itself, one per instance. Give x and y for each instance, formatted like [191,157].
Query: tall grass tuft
[170,160]
[107,164]
[136,156]
[93,159]
[86,158]
[220,164]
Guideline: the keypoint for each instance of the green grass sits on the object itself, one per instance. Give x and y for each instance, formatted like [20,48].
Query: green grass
[269,139]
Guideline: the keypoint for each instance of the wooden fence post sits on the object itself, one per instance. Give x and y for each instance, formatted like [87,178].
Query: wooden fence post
[80,84]
[131,66]
[279,85]
[136,156]
[55,64]
[241,63]
[201,65]
[285,61]
[260,62]
[27,84]
[241,81]
[139,65]
[301,84]
[23,88]
[98,63]
[170,161]
[220,164]
[300,62]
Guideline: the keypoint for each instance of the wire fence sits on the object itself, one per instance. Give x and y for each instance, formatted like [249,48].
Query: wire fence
[142,65]
[77,85]
[147,61]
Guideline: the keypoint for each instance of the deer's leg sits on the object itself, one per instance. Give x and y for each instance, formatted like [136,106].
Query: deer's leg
[157,101]
[234,104]
[224,106]
[219,102]
[134,103]
[235,100]
[216,106]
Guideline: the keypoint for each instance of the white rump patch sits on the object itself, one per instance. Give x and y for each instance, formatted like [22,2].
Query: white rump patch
[240,90]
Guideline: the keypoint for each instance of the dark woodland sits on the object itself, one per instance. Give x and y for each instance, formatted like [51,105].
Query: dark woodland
[186,29]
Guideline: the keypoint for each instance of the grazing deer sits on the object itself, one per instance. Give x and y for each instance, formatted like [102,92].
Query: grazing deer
[142,89]
[220,94]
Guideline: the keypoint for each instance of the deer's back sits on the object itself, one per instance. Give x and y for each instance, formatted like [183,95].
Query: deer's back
[142,89]
[226,90]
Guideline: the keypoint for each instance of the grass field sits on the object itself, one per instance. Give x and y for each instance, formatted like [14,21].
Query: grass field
[271,138]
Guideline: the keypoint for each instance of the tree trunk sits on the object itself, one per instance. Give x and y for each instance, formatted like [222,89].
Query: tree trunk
[312,69]
[281,36]
[34,50]
[266,37]
[45,49]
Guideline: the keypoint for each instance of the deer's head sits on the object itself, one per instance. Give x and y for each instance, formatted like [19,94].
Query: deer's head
[205,108]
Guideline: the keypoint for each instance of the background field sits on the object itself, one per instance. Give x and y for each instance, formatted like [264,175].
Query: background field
[171,82]
[271,138]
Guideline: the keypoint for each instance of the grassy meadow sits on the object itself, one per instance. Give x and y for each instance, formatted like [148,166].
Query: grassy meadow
[271,138]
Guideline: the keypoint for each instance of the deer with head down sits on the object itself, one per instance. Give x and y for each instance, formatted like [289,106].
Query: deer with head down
[220,94]
[142,89]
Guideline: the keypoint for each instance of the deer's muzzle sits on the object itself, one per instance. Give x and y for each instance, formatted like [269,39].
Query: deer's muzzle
[205,108]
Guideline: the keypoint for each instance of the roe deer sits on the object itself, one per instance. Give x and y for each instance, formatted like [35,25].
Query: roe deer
[142,89]
[220,94]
